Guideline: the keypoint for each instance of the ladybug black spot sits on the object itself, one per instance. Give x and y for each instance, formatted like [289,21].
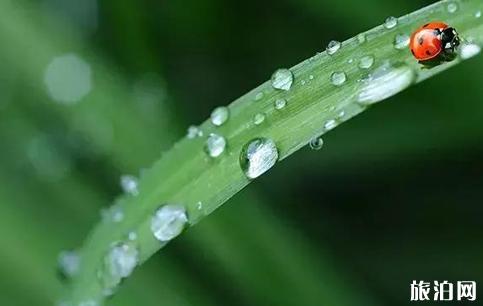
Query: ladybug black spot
[428,52]
[421,40]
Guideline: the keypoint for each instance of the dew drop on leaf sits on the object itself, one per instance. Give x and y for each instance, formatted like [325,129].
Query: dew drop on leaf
[280,104]
[282,79]
[220,115]
[129,185]
[215,145]
[258,156]
[338,78]
[316,143]
[401,41]
[390,22]
[168,222]
[333,47]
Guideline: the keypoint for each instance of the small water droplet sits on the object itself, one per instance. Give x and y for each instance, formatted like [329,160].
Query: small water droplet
[366,62]
[333,47]
[259,118]
[132,236]
[193,132]
[311,77]
[385,82]
[215,145]
[401,41]
[168,222]
[258,156]
[114,213]
[350,61]
[68,263]
[282,79]
[361,38]
[280,103]
[338,78]
[329,125]
[199,205]
[129,185]
[302,82]
[341,114]
[316,143]
[469,50]
[121,260]
[478,14]
[259,96]
[390,22]
[220,115]
[452,7]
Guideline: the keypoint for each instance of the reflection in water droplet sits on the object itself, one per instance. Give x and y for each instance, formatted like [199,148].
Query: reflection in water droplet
[338,78]
[168,222]
[258,156]
[282,79]
[469,50]
[401,41]
[316,143]
[333,47]
[280,103]
[68,79]
[452,7]
[68,263]
[385,82]
[220,115]
[390,22]
[129,185]
[259,118]
[215,145]
[366,62]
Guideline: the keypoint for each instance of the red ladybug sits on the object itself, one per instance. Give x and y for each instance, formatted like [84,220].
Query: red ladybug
[434,41]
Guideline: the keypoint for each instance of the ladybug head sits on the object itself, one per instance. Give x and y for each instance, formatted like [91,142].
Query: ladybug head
[450,40]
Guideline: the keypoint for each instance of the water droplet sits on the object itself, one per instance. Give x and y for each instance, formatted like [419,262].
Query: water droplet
[361,38]
[89,303]
[302,82]
[316,143]
[366,62]
[350,61]
[121,260]
[259,118]
[469,50]
[258,156]
[341,114]
[282,79]
[452,7]
[401,41]
[333,47]
[220,115]
[478,14]
[193,132]
[114,213]
[68,263]
[280,103]
[199,205]
[338,78]
[259,96]
[132,236]
[129,185]
[168,222]
[215,145]
[329,125]
[390,22]
[68,78]
[385,82]
[311,77]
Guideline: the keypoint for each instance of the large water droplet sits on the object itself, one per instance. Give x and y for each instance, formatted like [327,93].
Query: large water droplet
[258,156]
[469,50]
[316,143]
[129,185]
[68,263]
[193,132]
[338,78]
[280,103]
[282,79]
[333,47]
[168,222]
[366,62]
[390,22]
[401,41]
[68,78]
[385,82]
[215,145]
[258,118]
[452,7]
[220,115]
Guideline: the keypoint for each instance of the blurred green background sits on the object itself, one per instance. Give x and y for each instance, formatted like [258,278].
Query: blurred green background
[91,90]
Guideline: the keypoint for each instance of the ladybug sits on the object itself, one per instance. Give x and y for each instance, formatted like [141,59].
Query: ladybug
[434,42]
